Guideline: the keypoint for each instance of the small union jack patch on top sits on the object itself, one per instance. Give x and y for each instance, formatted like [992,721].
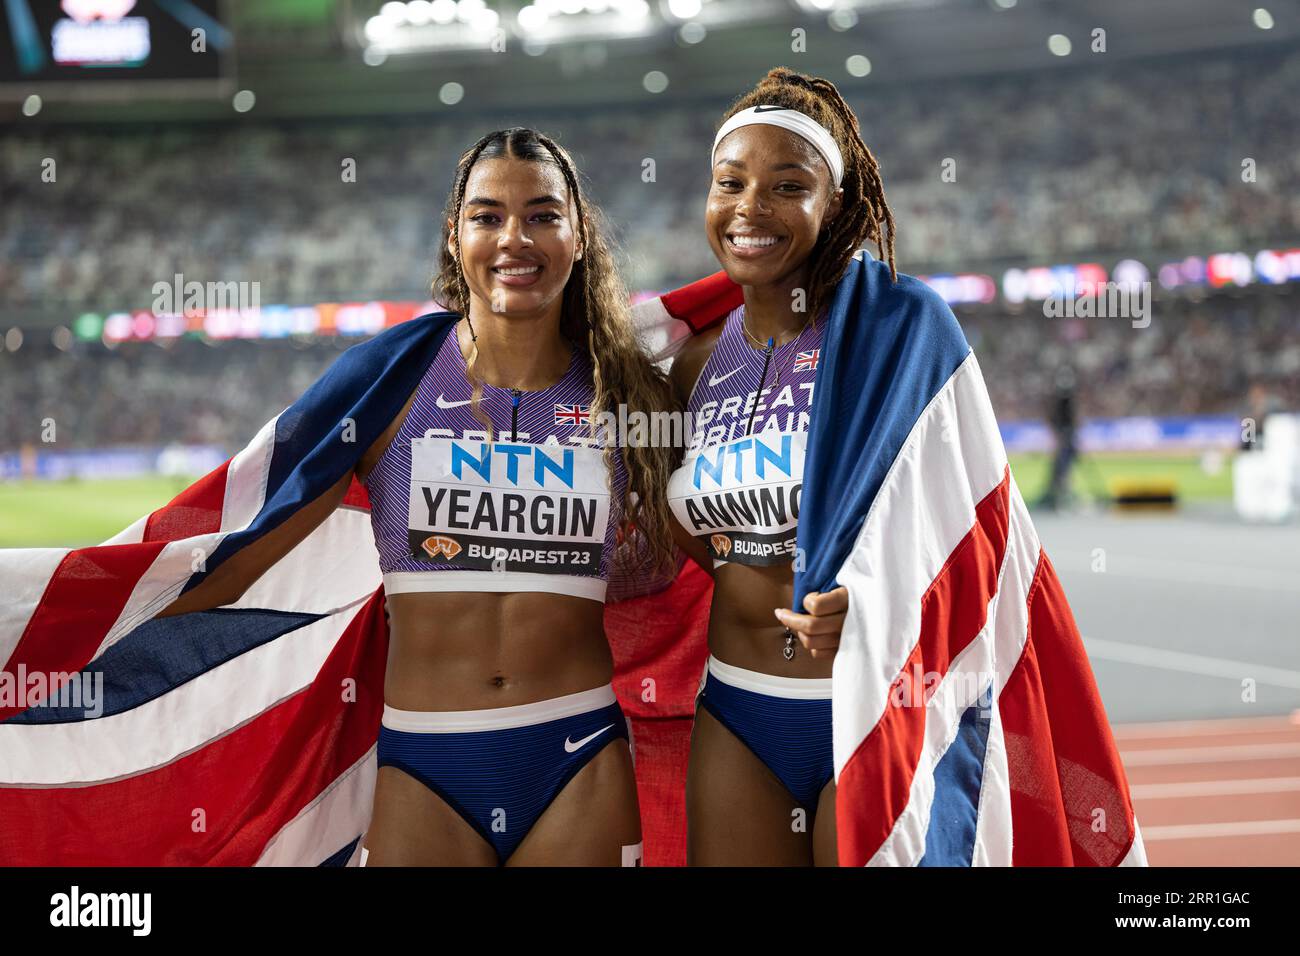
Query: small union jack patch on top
[807,361]
[571,414]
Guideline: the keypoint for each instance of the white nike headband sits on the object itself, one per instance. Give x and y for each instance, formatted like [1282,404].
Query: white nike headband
[799,123]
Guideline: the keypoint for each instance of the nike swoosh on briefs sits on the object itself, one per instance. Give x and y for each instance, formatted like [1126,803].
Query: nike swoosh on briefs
[443,403]
[570,746]
[714,380]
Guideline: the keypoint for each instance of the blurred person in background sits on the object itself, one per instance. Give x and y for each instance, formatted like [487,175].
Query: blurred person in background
[1063,419]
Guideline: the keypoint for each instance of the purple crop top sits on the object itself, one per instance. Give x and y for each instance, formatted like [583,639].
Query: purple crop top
[532,513]
[738,489]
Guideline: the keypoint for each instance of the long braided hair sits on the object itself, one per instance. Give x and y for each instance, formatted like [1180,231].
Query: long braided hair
[864,215]
[595,314]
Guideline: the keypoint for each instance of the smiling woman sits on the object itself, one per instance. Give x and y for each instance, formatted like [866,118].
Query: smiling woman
[501,740]
[794,194]
[492,666]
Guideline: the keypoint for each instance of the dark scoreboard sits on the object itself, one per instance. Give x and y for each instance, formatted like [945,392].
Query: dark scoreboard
[49,44]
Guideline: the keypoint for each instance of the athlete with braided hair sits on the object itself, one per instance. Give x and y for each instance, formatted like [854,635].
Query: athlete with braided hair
[545,346]
[498,515]
[794,194]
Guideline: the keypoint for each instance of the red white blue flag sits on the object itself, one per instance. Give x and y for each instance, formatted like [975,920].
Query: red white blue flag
[245,735]
[807,361]
[968,729]
[571,414]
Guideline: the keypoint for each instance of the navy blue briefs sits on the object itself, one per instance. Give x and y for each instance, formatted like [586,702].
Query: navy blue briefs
[501,768]
[785,721]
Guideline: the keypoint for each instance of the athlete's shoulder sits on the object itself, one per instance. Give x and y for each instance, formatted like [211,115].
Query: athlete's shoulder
[692,358]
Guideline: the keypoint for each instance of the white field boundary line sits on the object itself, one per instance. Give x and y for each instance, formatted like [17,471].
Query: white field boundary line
[1201,831]
[1190,572]
[1209,727]
[1183,662]
[1213,788]
[1194,755]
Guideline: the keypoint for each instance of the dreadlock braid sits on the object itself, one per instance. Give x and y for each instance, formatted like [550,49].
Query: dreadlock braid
[864,215]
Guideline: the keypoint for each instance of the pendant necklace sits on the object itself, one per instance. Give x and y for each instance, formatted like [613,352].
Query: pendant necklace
[767,346]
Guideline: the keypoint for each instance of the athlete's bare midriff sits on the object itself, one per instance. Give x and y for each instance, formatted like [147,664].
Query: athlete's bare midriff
[742,628]
[470,651]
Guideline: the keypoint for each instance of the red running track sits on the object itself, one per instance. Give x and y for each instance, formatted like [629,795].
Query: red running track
[1216,792]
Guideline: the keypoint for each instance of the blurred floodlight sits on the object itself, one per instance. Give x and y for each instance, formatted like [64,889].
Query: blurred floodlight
[692,32]
[596,6]
[444,11]
[1004,4]
[570,6]
[374,56]
[393,11]
[451,93]
[467,10]
[656,81]
[378,29]
[243,101]
[14,339]
[31,105]
[1059,44]
[684,9]
[62,338]
[857,65]
[636,9]
[419,12]
[1263,19]
[822,4]
[485,20]
[842,19]
[531,17]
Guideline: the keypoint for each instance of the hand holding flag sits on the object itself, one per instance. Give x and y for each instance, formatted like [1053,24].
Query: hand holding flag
[819,629]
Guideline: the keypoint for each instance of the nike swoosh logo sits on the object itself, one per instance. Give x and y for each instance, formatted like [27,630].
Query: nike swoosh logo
[443,403]
[767,109]
[715,379]
[570,746]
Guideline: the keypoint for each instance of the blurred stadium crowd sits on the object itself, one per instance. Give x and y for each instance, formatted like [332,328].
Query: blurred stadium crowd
[1145,175]
[263,202]
[1194,358]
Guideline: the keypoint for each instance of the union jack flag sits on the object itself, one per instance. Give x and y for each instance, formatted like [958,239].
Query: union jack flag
[571,414]
[908,502]
[807,361]
[120,728]
[234,712]
[237,712]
